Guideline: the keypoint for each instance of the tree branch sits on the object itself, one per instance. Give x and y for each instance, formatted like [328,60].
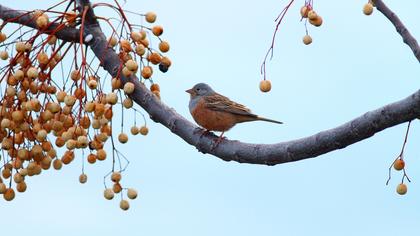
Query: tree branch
[400,27]
[24,18]
[351,132]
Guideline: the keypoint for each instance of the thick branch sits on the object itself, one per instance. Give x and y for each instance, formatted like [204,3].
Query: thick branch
[24,18]
[401,29]
[351,132]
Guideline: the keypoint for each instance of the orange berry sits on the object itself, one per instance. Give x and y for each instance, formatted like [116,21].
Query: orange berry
[116,188]
[21,187]
[399,164]
[91,158]
[155,58]
[4,55]
[164,46]
[123,138]
[9,194]
[317,21]
[134,130]
[131,193]
[157,30]
[144,130]
[83,178]
[150,17]
[101,154]
[265,86]
[116,177]
[125,45]
[146,72]
[154,87]
[402,189]
[2,37]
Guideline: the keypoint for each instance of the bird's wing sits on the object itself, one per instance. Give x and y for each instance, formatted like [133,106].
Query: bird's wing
[219,102]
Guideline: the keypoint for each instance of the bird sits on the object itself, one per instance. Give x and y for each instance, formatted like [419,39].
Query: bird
[215,112]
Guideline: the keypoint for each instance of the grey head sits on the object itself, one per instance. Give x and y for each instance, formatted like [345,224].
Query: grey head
[200,89]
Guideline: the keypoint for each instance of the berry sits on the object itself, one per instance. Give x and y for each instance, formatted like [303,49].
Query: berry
[163,68]
[265,86]
[108,194]
[131,193]
[368,9]
[399,164]
[124,204]
[307,39]
[402,189]
[83,178]
[150,17]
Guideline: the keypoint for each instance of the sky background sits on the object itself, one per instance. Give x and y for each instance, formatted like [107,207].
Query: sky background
[355,64]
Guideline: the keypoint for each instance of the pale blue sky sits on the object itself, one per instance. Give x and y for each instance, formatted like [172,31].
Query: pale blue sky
[355,64]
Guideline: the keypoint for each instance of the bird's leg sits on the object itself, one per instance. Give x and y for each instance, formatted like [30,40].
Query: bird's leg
[201,131]
[218,141]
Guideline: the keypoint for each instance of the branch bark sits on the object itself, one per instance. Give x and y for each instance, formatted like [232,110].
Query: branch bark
[24,18]
[400,27]
[349,133]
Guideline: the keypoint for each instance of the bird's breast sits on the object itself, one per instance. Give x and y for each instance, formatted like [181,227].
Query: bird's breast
[211,119]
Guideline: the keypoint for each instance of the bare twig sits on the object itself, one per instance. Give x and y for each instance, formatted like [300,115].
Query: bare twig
[400,27]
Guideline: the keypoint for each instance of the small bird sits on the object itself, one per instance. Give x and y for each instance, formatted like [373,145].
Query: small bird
[215,112]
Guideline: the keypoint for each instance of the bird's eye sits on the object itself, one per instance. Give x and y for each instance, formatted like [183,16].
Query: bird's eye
[198,89]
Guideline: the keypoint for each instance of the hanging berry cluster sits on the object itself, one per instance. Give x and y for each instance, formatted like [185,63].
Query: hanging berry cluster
[56,103]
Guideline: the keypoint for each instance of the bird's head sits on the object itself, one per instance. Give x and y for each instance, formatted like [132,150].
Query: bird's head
[200,89]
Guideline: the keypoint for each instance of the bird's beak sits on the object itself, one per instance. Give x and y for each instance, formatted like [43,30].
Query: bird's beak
[190,91]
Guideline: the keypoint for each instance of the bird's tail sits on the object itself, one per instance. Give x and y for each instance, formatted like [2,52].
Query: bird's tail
[269,120]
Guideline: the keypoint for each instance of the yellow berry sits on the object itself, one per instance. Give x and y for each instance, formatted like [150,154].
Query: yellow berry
[32,73]
[112,41]
[265,86]
[108,194]
[368,8]
[132,65]
[140,49]
[312,15]
[307,39]
[42,21]
[304,11]
[124,204]
[129,88]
